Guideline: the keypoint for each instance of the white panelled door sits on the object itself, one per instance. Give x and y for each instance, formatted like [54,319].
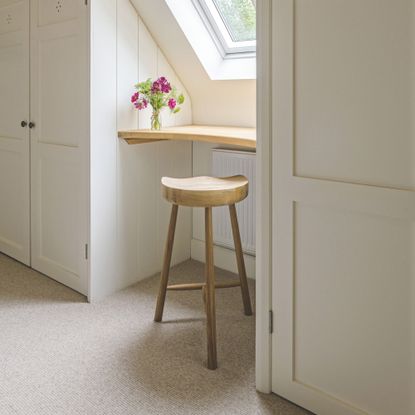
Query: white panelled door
[14,136]
[344,205]
[59,139]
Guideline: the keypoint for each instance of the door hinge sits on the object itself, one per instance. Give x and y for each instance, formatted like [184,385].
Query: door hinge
[271,321]
[86,251]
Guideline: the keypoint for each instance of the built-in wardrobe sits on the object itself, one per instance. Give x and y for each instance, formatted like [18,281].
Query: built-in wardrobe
[44,136]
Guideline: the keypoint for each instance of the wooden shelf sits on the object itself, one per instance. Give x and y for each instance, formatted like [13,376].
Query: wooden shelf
[242,137]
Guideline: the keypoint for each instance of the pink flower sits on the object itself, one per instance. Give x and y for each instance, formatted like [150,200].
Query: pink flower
[164,84]
[166,88]
[156,87]
[134,98]
[161,85]
[172,103]
[140,105]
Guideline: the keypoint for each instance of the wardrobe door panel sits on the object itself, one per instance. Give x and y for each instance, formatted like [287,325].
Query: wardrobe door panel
[14,138]
[59,107]
[57,124]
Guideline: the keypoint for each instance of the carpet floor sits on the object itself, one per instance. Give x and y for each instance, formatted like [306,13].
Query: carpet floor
[60,355]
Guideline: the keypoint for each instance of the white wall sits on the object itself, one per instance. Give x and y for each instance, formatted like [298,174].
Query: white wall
[142,213]
[130,216]
[103,148]
[214,102]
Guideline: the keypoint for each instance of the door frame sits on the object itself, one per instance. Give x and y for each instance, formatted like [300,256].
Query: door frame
[264,202]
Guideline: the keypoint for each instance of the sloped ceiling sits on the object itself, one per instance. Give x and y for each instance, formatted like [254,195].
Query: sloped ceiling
[214,102]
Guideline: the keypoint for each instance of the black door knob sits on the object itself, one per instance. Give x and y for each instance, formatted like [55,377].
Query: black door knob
[32,125]
[23,124]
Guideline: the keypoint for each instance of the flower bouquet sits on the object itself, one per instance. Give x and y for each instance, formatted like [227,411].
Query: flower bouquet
[158,94]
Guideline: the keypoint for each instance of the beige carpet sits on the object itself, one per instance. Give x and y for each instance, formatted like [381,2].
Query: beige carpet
[60,355]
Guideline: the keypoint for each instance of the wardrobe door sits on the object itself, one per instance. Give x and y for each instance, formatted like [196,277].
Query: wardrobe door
[344,205]
[14,136]
[59,139]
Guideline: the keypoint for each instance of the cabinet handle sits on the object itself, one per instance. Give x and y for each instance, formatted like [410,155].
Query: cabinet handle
[32,125]
[23,124]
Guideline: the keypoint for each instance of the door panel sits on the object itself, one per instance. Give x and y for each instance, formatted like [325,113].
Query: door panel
[59,98]
[57,124]
[14,139]
[344,282]
[353,91]
[352,306]
[58,184]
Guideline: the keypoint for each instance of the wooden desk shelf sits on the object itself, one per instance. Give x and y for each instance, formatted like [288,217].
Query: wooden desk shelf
[242,137]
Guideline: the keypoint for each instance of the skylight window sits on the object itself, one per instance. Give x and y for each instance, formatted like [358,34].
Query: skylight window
[221,33]
[232,24]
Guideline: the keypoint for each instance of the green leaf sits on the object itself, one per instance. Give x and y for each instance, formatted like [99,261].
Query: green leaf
[180,99]
[144,87]
[176,110]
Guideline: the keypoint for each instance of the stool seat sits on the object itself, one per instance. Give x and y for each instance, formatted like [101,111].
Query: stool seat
[205,191]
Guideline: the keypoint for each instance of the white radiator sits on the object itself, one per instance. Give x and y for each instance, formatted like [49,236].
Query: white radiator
[229,163]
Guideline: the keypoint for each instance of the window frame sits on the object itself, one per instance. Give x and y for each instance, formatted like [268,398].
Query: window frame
[227,47]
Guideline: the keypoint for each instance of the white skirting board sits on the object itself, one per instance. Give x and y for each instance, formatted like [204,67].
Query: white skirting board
[224,258]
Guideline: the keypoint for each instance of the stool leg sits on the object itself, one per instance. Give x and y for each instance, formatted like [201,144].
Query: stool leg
[210,292]
[166,265]
[240,260]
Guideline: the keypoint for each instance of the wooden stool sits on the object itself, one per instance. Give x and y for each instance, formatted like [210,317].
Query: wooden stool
[206,192]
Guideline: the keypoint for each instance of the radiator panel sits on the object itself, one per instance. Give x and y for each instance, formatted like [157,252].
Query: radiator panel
[229,163]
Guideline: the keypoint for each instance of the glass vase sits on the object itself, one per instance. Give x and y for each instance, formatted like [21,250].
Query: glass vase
[156,120]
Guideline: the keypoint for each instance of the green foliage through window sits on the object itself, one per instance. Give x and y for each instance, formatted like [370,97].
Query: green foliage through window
[239,17]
